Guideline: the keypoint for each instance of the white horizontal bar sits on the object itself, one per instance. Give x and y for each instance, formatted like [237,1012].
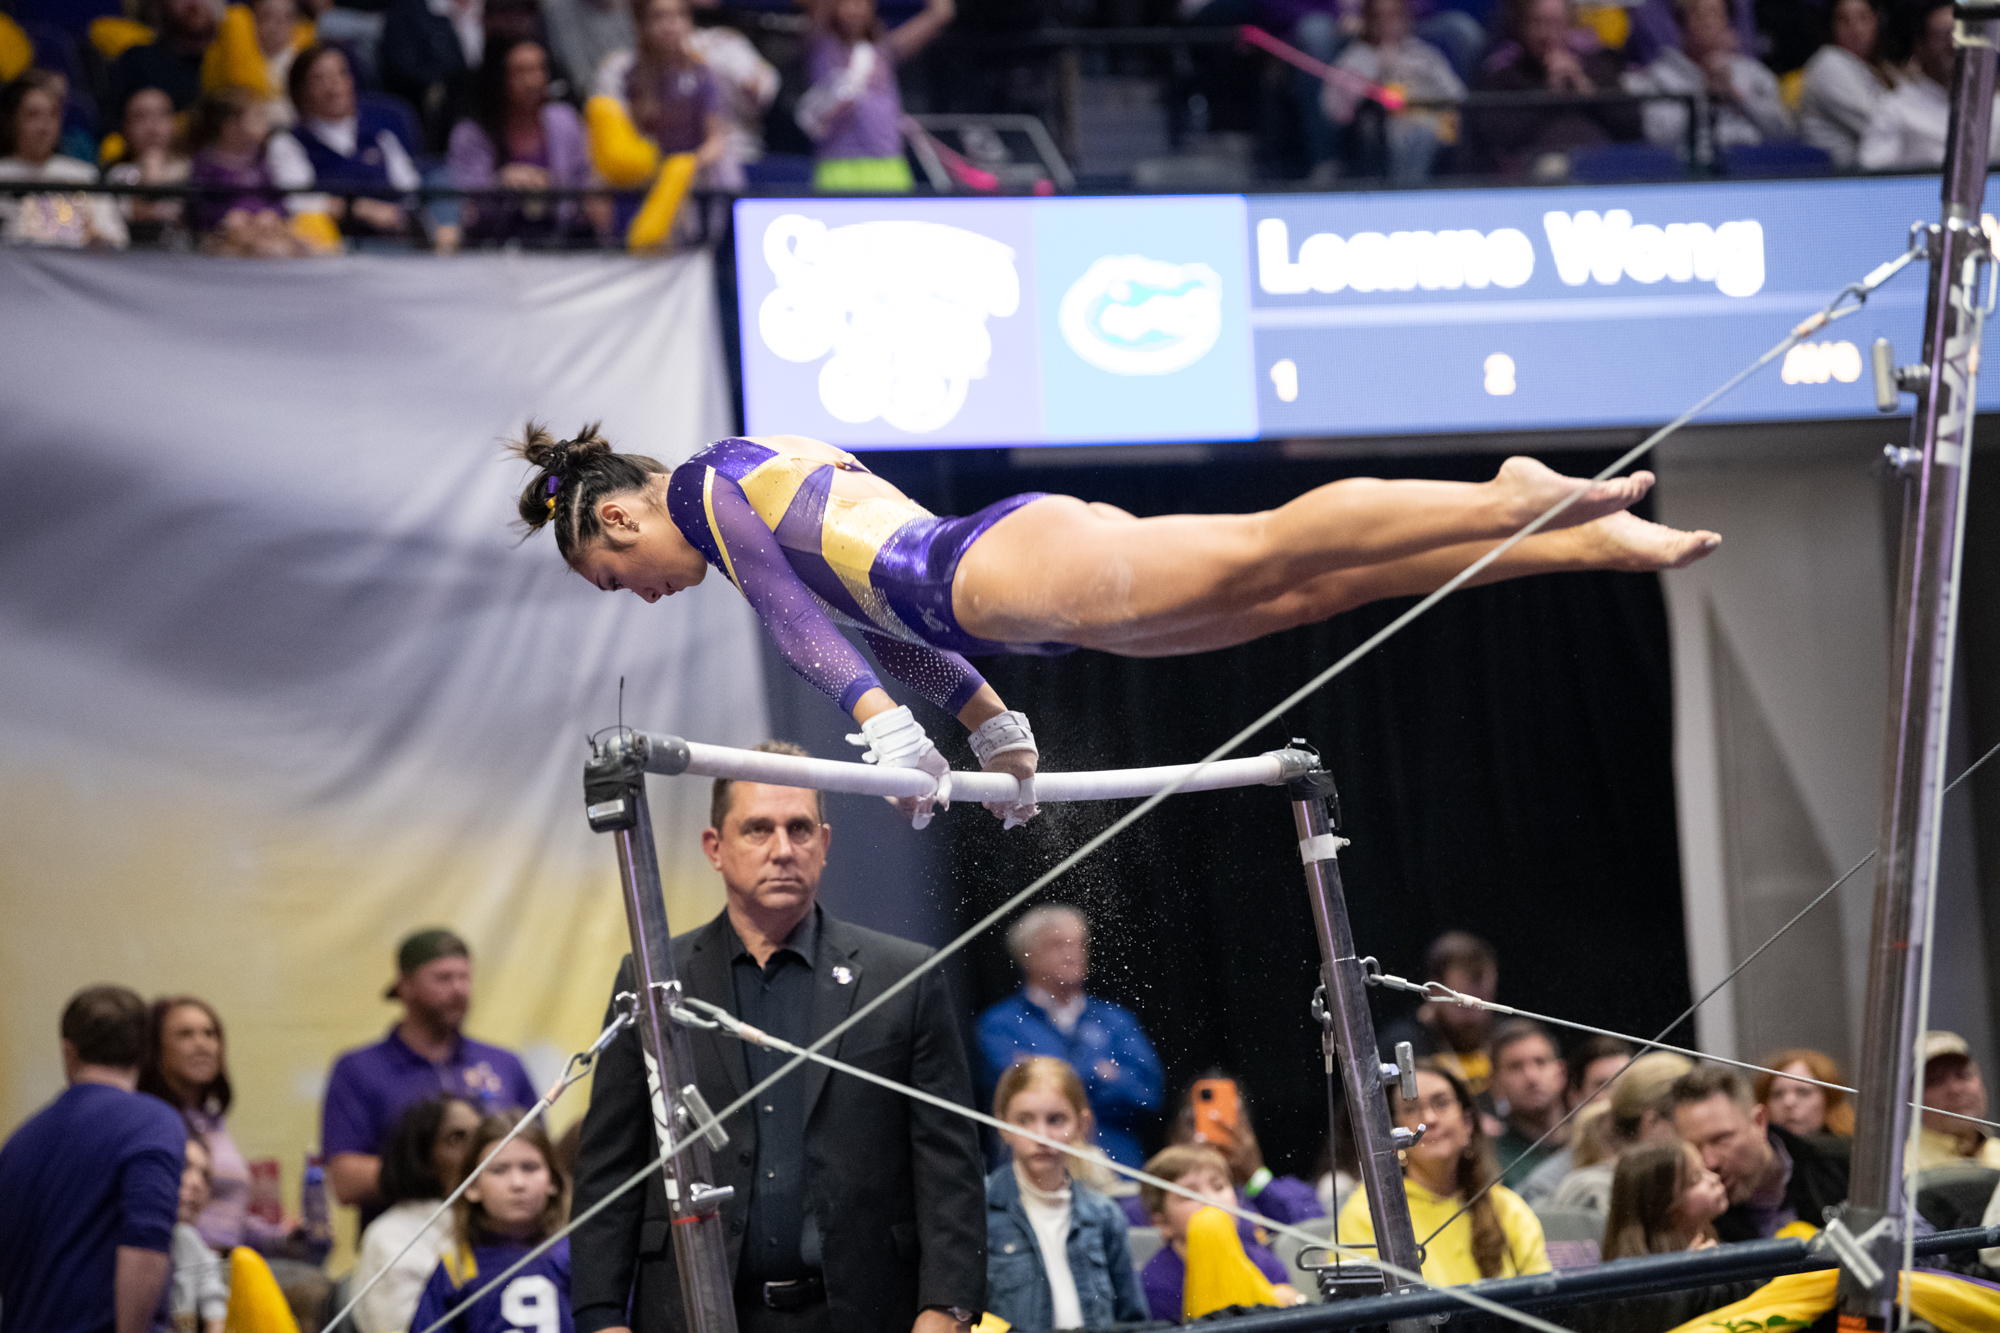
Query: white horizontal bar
[672,755]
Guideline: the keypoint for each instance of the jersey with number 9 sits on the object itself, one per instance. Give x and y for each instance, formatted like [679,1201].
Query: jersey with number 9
[534,1300]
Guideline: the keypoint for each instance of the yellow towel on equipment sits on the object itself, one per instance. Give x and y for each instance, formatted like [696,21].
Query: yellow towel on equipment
[1798,1299]
[1219,1273]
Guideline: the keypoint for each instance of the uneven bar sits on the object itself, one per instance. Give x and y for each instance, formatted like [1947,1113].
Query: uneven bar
[671,756]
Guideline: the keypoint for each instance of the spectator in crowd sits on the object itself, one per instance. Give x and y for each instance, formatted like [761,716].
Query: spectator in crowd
[151,155]
[426,1052]
[187,1067]
[30,129]
[337,142]
[92,1183]
[671,95]
[429,57]
[1400,145]
[1907,128]
[1548,53]
[1056,1255]
[1844,82]
[519,1200]
[583,33]
[1286,1200]
[853,109]
[244,216]
[1737,101]
[853,1207]
[254,49]
[521,140]
[1199,1168]
[1806,1109]
[171,61]
[1455,1035]
[1774,1177]
[1641,1114]
[1529,1080]
[1655,28]
[1592,1064]
[419,1167]
[1052,1015]
[200,1296]
[748,82]
[1450,1167]
[1664,1201]
[1952,1084]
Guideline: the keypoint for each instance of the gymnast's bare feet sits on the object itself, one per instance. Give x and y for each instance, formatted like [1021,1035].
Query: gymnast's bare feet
[1530,489]
[1627,542]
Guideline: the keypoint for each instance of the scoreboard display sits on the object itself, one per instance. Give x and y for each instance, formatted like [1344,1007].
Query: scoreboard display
[1010,322]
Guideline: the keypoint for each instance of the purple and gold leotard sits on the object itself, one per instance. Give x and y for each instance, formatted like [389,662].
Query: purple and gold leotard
[805,558]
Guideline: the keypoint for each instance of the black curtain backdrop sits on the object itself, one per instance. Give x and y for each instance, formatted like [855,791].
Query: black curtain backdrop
[1505,767]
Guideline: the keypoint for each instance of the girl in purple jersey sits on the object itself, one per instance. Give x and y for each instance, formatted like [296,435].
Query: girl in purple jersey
[812,538]
[519,1200]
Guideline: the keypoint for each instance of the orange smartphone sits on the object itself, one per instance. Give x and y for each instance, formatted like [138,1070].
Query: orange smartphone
[1217,1111]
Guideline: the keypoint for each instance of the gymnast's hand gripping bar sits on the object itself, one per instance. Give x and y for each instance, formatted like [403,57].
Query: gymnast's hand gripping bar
[671,756]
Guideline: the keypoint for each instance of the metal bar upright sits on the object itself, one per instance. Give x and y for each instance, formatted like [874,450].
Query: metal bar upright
[1352,1029]
[1923,630]
[615,787]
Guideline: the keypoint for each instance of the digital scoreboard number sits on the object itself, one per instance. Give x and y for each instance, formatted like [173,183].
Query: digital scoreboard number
[961,322]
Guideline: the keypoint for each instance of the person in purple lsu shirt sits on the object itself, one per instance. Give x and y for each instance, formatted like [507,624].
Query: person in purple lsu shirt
[92,1185]
[425,1054]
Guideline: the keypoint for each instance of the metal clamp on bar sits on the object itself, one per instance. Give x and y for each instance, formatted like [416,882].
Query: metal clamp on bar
[692,1113]
[1852,1251]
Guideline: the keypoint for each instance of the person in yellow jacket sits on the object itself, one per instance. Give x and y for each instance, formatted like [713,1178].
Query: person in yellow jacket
[254,47]
[1498,1236]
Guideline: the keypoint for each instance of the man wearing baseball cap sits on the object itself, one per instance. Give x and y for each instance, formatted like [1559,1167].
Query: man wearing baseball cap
[1952,1084]
[423,1055]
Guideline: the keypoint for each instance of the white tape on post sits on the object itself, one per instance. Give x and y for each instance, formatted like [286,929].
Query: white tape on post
[1320,847]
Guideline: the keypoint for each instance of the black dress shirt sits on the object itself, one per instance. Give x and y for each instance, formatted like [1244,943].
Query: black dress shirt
[778,998]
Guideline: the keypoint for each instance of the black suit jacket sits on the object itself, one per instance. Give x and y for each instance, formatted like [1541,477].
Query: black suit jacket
[897,1187]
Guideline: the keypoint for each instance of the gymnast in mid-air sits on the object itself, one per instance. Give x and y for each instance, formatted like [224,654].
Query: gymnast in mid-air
[812,539]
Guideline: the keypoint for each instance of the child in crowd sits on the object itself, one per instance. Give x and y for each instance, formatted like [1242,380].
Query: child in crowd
[1056,1255]
[200,1300]
[517,1202]
[854,110]
[151,157]
[1663,1201]
[226,134]
[1203,1170]
[422,1163]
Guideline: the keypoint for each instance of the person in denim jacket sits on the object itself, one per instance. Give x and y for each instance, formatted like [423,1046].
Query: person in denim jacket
[1055,1248]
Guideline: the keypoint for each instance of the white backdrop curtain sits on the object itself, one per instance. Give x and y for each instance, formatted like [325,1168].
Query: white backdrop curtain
[278,680]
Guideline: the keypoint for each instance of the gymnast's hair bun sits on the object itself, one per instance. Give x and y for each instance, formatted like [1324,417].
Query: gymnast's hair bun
[571,477]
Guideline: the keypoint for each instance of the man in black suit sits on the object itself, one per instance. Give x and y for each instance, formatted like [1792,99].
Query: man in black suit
[857,1210]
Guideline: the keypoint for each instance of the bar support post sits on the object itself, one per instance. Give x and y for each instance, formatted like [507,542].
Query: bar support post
[615,794]
[1919,702]
[1351,1028]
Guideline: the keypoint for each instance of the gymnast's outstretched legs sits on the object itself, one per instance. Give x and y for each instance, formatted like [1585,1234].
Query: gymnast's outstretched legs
[1621,542]
[1062,570]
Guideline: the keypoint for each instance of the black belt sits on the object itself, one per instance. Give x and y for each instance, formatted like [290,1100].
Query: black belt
[796,1294]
